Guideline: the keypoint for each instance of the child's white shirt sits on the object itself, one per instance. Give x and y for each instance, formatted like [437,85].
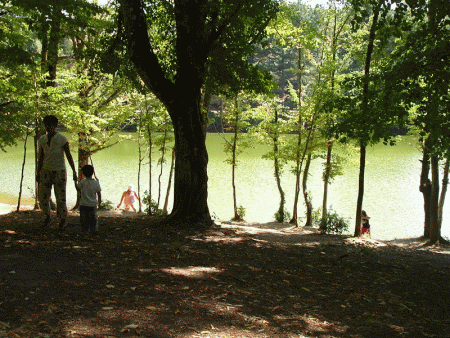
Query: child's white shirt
[89,189]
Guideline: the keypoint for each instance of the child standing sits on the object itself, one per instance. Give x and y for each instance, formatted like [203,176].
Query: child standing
[365,228]
[89,188]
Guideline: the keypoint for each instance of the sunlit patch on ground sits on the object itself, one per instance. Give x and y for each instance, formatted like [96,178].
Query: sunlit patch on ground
[193,271]
[135,279]
[87,327]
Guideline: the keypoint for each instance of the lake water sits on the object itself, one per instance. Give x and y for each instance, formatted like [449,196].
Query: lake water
[392,198]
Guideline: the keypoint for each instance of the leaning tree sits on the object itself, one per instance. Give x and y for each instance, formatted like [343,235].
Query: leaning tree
[176,47]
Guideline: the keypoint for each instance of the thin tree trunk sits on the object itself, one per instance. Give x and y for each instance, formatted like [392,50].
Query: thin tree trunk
[362,166]
[444,190]
[23,169]
[169,185]
[435,233]
[44,42]
[38,132]
[277,170]
[140,160]
[326,180]
[233,183]
[306,195]
[83,159]
[163,152]
[233,160]
[425,189]
[53,46]
[299,161]
[326,177]
[150,145]
[49,54]
[364,109]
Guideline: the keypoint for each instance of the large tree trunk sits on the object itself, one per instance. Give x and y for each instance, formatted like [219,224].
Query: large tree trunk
[191,179]
[181,97]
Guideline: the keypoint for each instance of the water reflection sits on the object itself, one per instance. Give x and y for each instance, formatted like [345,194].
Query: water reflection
[392,198]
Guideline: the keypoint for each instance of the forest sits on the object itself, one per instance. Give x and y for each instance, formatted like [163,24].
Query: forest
[353,73]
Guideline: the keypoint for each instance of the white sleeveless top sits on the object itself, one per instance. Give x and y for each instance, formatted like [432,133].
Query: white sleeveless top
[53,153]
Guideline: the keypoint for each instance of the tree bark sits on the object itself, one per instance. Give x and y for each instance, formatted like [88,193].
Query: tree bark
[169,184]
[425,189]
[53,46]
[23,169]
[444,190]
[277,170]
[161,163]
[150,146]
[140,159]
[326,180]
[181,97]
[233,159]
[362,166]
[326,176]
[38,132]
[435,233]
[364,109]
[299,161]
[306,195]
[83,159]
[191,179]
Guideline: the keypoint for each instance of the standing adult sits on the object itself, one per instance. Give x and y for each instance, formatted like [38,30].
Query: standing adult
[51,170]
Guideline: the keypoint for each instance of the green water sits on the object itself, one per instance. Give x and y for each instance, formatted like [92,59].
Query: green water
[392,198]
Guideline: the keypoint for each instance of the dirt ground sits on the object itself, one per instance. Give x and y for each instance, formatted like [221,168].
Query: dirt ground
[137,278]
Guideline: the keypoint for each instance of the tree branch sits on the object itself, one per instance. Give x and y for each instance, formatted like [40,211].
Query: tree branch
[141,52]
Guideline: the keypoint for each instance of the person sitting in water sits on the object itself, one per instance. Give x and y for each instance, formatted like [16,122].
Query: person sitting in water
[129,196]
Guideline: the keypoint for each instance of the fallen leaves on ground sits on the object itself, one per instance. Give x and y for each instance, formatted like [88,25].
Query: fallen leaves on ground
[137,278]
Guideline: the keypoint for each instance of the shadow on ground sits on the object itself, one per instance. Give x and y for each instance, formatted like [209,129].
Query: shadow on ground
[137,279]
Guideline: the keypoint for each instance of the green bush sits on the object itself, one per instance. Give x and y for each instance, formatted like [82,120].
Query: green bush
[241,212]
[106,205]
[284,217]
[152,206]
[332,224]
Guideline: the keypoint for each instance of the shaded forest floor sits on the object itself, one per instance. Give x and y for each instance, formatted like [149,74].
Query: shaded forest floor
[137,279]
